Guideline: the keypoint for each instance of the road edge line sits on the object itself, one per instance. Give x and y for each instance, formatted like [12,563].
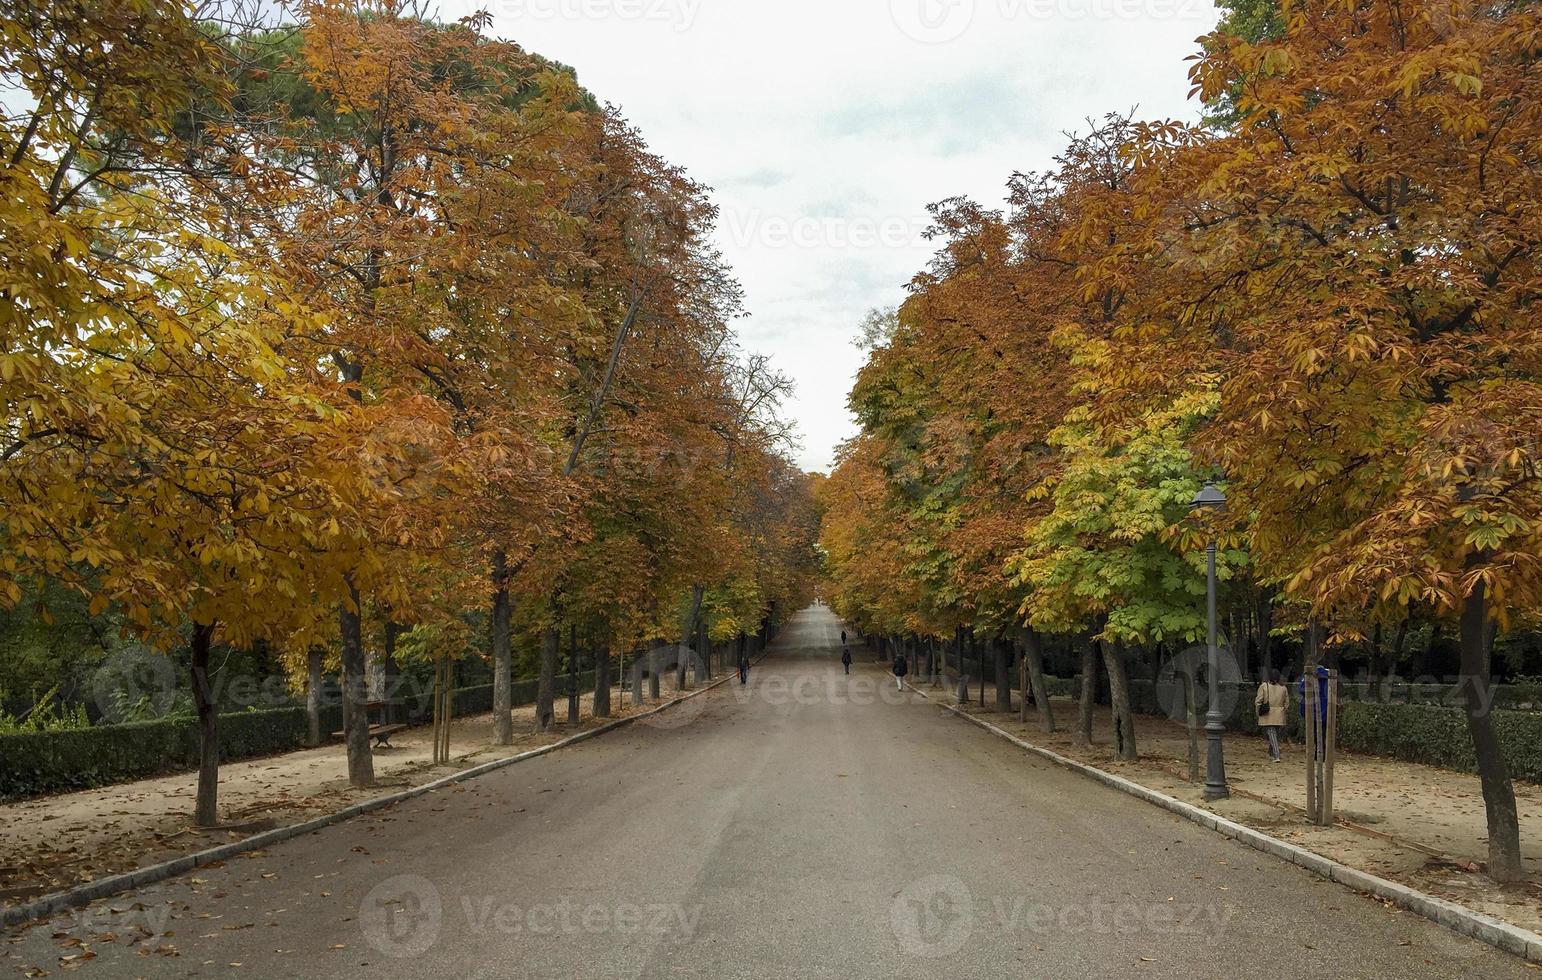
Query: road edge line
[99,888]
[1468,922]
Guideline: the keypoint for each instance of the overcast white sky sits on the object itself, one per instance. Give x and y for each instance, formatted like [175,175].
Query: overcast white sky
[825,127]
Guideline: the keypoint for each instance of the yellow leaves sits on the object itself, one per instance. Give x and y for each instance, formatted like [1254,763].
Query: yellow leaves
[1469,85]
[1276,61]
[16,367]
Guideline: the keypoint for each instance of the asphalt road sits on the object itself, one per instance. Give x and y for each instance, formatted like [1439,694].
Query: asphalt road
[808,825]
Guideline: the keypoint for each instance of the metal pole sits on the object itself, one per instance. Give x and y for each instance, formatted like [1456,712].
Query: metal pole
[1330,749]
[1313,770]
[1215,723]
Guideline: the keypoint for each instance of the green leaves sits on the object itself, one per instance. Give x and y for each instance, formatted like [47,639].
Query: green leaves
[1106,557]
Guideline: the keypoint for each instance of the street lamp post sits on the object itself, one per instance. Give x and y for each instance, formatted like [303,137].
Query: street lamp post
[1211,498]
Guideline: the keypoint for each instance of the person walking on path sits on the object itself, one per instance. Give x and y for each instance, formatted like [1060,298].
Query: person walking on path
[846,658]
[901,668]
[1273,701]
[843,637]
[744,668]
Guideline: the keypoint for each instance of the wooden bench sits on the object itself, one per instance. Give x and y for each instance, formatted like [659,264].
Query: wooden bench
[380,733]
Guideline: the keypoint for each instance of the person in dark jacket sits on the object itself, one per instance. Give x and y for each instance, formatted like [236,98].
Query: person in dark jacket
[843,637]
[846,658]
[901,668]
[744,668]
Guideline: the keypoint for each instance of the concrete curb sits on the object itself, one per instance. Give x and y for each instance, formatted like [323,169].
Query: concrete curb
[83,894]
[1486,929]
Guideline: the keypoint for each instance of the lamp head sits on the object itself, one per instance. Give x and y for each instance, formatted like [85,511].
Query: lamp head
[1209,497]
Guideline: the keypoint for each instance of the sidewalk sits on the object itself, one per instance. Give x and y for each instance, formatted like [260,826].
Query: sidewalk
[1418,825]
[55,842]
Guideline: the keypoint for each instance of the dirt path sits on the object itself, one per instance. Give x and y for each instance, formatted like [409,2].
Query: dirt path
[57,841]
[1416,824]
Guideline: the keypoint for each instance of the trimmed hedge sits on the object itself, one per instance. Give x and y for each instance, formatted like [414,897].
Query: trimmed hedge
[1525,696]
[49,762]
[35,763]
[1434,734]
[1438,736]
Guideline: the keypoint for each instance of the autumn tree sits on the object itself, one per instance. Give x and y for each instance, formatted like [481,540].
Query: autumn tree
[163,454]
[1356,260]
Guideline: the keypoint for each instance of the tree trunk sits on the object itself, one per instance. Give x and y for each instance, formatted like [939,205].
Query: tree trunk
[1396,658]
[503,656]
[1024,685]
[314,658]
[206,807]
[1119,698]
[1504,836]
[602,682]
[361,764]
[546,681]
[1003,680]
[955,651]
[655,659]
[703,651]
[1265,633]
[1312,655]
[573,711]
[1374,666]
[688,639]
[393,670]
[1033,661]
[1083,734]
[1191,715]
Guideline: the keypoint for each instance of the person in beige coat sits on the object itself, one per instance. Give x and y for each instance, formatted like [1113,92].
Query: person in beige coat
[1273,701]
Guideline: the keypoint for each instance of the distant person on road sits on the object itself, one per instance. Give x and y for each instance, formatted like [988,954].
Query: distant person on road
[901,668]
[846,659]
[744,668]
[1273,701]
[843,637]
